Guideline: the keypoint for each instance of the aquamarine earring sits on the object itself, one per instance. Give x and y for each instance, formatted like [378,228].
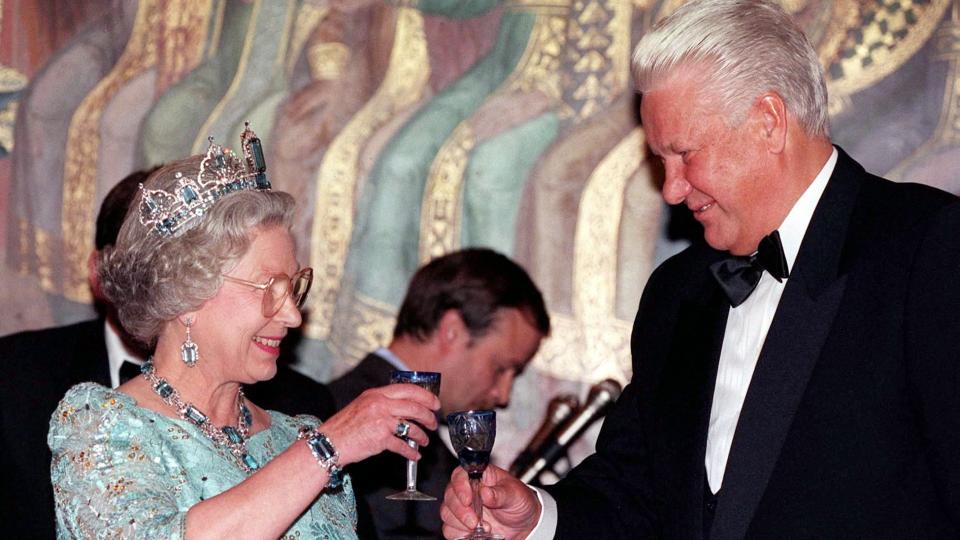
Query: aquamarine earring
[189,351]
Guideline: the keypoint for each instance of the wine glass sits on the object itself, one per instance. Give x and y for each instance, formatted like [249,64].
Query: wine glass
[472,434]
[428,380]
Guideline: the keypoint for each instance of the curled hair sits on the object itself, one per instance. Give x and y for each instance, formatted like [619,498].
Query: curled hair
[746,48]
[115,205]
[475,282]
[152,279]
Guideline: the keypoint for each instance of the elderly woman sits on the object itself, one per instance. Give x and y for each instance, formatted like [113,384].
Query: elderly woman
[204,269]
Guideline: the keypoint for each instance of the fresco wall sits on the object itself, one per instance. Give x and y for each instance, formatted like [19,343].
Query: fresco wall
[407,129]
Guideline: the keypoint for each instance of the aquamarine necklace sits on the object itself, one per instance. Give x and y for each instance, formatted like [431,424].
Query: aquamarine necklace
[229,437]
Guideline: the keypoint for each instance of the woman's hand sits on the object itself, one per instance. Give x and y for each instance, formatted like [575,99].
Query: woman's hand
[367,426]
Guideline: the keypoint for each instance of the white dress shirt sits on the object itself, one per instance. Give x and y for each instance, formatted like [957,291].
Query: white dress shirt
[746,330]
[117,353]
[743,338]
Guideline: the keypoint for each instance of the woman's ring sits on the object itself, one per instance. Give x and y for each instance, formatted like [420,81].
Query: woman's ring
[402,430]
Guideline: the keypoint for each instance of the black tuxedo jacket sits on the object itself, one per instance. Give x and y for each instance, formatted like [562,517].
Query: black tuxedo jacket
[38,368]
[381,475]
[851,425]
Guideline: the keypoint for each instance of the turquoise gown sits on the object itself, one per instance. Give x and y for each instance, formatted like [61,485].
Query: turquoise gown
[123,471]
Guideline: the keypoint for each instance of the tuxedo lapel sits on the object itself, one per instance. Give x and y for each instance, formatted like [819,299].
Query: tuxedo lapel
[686,393]
[789,354]
[799,329]
[375,370]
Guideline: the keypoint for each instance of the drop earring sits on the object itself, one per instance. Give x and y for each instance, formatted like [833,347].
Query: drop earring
[189,351]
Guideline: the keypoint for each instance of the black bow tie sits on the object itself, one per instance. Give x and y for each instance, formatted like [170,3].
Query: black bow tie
[738,276]
[128,370]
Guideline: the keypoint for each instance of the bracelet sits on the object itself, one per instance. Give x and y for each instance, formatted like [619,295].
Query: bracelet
[325,454]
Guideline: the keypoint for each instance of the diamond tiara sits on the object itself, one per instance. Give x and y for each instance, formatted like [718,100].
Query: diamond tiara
[222,172]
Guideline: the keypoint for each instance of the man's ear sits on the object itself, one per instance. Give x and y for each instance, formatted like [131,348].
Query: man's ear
[92,279]
[772,111]
[451,330]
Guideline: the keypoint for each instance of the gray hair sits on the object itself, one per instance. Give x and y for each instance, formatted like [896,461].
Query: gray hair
[747,47]
[152,279]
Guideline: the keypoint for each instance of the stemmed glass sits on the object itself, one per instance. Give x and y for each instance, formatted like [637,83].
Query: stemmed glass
[428,380]
[472,434]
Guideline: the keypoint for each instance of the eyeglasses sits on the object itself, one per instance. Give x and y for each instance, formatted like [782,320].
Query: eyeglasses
[278,288]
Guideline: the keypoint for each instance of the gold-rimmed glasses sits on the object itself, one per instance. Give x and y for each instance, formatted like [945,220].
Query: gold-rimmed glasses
[278,288]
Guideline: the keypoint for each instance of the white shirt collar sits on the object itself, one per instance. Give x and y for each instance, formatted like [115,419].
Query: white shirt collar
[117,352]
[394,360]
[794,226]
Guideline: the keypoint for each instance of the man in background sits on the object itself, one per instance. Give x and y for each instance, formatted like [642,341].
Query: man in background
[37,368]
[477,318]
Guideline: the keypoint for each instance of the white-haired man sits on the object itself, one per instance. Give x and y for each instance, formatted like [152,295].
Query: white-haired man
[795,375]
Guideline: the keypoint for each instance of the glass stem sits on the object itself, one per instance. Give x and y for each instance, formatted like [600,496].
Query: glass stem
[412,469]
[477,504]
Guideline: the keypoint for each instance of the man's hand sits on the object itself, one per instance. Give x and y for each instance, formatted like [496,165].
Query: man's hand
[510,508]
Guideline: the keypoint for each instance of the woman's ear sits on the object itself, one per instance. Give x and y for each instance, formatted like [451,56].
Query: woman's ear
[188,319]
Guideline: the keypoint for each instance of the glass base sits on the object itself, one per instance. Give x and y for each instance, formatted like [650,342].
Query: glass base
[411,495]
[481,535]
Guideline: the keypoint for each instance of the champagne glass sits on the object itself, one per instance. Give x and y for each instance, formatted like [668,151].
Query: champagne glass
[472,434]
[428,380]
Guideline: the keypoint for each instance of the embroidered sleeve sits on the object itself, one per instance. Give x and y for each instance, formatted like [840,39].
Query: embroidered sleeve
[108,481]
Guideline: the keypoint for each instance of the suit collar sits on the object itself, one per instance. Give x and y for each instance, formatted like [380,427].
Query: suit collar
[375,370]
[795,225]
[118,352]
[390,356]
[88,356]
[799,329]
[821,251]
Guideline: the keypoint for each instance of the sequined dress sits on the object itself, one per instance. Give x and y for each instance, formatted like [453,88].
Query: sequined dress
[123,471]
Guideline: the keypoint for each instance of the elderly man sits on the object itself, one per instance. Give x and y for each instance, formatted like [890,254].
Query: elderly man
[476,317]
[796,375]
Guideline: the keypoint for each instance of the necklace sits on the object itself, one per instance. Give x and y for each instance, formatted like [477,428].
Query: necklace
[229,437]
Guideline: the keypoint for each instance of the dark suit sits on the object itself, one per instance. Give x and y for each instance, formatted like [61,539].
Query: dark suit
[851,424]
[37,370]
[379,476]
